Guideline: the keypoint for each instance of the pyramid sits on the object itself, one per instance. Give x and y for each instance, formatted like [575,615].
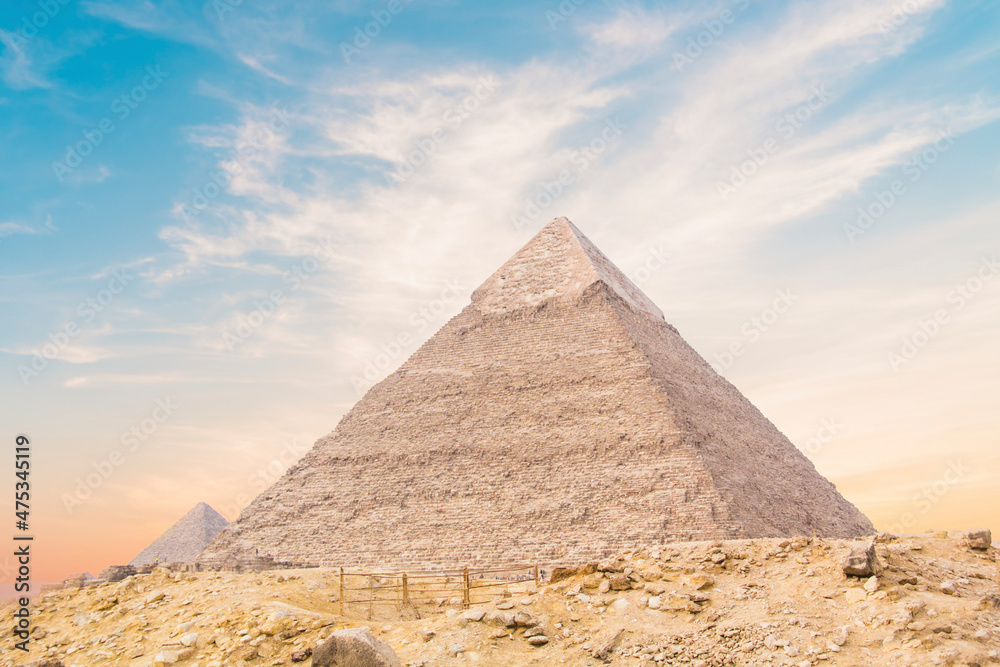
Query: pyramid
[557,419]
[183,541]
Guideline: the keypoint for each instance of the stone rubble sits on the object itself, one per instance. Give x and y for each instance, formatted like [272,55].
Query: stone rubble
[775,602]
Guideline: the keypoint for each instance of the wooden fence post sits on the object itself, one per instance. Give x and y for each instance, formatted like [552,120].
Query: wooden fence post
[466,596]
[406,591]
[536,574]
[341,591]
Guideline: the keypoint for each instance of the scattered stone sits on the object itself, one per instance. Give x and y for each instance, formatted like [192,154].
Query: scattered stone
[871,585]
[979,539]
[302,656]
[949,588]
[474,615]
[354,647]
[538,640]
[454,650]
[862,560]
[990,601]
[523,619]
[166,657]
[607,649]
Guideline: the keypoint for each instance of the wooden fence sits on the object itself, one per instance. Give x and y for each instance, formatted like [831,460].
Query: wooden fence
[467,586]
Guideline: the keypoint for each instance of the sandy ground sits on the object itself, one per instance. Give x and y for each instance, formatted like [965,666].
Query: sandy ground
[706,604]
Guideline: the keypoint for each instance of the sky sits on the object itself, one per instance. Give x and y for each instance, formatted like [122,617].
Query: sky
[221,222]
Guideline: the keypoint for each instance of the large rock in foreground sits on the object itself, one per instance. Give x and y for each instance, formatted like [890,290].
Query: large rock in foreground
[356,647]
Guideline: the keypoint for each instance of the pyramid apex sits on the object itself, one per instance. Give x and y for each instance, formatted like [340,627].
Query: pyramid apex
[559,261]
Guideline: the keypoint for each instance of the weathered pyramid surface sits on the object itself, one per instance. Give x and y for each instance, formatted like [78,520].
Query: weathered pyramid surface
[557,418]
[183,541]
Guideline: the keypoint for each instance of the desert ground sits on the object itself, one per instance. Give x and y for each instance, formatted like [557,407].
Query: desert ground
[704,604]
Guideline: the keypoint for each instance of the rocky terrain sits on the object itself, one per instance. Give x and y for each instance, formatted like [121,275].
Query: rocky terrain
[934,601]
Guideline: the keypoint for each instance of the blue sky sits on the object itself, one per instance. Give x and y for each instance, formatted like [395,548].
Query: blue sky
[246,155]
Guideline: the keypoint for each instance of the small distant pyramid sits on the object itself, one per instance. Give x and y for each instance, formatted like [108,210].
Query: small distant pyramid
[557,419]
[183,541]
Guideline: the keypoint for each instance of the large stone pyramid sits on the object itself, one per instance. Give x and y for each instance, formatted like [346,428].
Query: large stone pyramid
[557,418]
[183,541]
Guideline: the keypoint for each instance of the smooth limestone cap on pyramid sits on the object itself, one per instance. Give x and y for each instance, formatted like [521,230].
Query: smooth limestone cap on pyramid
[557,419]
[185,540]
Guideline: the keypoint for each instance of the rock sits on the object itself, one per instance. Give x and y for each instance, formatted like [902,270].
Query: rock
[474,615]
[276,622]
[862,560]
[538,640]
[892,641]
[871,585]
[990,601]
[560,573]
[166,657]
[701,581]
[523,619]
[620,605]
[355,647]
[155,596]
[620,582]
[190,639]
[949,588]
[115,573]
[979,539]
[654,602]
[454,651]
[45,662]
[607,649]
[840,637]
[428,635]
[501,618]
[604,586]
[534,632]
[506,604]
[301,656]
[855,595]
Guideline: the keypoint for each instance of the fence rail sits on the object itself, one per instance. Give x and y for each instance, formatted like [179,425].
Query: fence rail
[413,588]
